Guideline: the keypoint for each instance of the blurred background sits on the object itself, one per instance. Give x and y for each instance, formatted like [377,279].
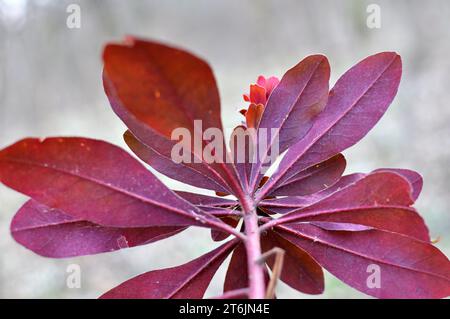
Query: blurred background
[50,84]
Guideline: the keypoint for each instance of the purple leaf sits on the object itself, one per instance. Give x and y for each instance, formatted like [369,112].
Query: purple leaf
[313,179]
[378,189]
[333,226]
[293,105]
[402,220]
[51,233]
[143,77]
[143,84]
[413,178]
[379,200]
[237,272]
[234,294]
[205,200]
[242,146]
[300,270]
[189,174]
[284,205]
[355,104]
[218,235]
[343,182]
[85,179]
[188,281]
[407,267]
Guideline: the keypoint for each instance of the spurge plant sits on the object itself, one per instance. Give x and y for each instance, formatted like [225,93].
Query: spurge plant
[89,197]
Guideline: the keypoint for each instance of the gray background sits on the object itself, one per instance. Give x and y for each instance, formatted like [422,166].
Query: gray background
[50,84]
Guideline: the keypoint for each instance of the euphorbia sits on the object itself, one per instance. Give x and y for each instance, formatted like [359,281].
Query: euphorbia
[88,196]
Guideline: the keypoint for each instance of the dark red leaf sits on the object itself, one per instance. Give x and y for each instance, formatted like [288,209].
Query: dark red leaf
[237,272]
[51,233]
[94,181]
[188,281]
[408,268]
[413,178]
[205,200]
[300,270]
[356,103]
[403,220]
[299,97]
[313,179]
[218,235]
[340,184]
[288,204]
[380,200]
[156,89]
[378,189]
[164,87]
[293,105]
[334,226]
[242,147]
[190,174]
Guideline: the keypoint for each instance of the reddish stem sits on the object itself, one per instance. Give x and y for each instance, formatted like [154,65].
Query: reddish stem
[233,294]
[257,289]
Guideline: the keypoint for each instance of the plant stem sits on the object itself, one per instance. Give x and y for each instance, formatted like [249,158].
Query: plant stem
[257,288]
[238,293]
[276,269]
